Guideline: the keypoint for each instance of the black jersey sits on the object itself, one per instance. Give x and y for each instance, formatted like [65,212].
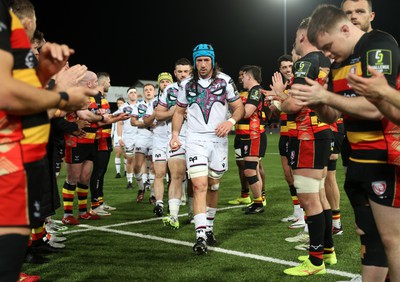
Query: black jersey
[304,125]
[253,126]
[372,141]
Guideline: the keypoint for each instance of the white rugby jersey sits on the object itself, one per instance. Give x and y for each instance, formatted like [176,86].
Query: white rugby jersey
[168,99]
[161,127]
[207,102]
[139,110]
[128,130]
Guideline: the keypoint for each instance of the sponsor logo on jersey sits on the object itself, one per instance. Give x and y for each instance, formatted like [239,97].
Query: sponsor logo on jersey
[301,69]
[381,60]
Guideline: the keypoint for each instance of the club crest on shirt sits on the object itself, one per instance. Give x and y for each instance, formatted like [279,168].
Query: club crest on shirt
[379,187]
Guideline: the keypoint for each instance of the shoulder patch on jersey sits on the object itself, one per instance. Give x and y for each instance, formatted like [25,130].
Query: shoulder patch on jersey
[381,60]
[254,94]
[301,69]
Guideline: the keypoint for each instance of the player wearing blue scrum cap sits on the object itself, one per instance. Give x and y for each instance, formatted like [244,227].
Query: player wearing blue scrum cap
[204,50]
[205,98]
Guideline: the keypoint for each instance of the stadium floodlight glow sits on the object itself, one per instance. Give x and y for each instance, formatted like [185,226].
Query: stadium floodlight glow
[284,27]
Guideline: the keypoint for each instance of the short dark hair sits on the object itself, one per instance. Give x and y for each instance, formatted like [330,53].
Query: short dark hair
[244,67]
[323,19]
[254,70]
[23,8]
[149,84]
[183,61]
[102,74]
[304,23]
[284,58]
[121,99]
[368,1]
[131,87]
[38,35]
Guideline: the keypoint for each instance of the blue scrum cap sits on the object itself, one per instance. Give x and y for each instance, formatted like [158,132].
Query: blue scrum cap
[203,50]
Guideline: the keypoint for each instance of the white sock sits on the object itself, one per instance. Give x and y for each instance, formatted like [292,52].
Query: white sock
[129,177]
[117,164]
[139,181]
[174,205]
[210,218]
[200,223]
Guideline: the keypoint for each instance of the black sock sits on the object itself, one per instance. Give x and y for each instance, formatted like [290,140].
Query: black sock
[316,229]
[13,249]
[328,240]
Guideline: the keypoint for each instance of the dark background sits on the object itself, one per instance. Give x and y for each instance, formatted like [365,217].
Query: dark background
[134,40]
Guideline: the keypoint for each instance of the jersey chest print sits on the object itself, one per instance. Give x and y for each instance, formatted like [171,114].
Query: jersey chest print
[142,108]
[205,98]
[172,94]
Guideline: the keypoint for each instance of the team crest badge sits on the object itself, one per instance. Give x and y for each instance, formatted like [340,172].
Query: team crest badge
[379,187]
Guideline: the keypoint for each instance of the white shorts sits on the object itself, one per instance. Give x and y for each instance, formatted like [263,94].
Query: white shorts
[160,145]
[115,142]
[129,143]
[144,145]
[212,152]
[180,153]
[159,154]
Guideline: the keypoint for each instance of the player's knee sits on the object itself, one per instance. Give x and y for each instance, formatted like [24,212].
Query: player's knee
[249,168]
[359,231]
[238,155]
[365,220]
[250,165]
[322,183]
[214,187]
[198,171]
[252,179]
[215,174]
[129,153]
[373,251]
[306,184]
[138,176]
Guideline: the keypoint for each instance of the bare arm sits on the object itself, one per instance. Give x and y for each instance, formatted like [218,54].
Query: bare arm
[149,120]
[249,110]
[88,116]
[163,114]
[177,120]
[377,90]
[136,122]
[120,128]
[291,105]
[20,98]
[237,109]
[329,105]
[109,118]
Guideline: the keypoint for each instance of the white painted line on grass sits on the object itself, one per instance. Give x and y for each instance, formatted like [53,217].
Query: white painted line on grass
[86,228]
[138,221]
